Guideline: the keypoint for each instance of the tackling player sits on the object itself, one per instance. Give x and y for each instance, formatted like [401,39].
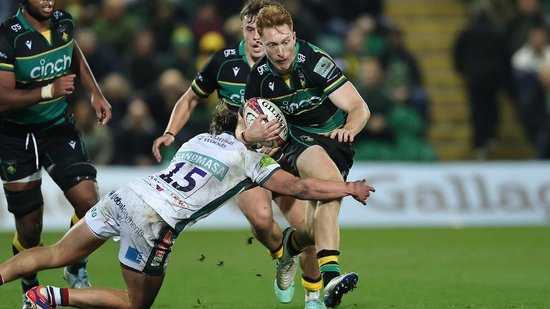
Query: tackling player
[324,113]
[226,72]
[39,60]
[149,213]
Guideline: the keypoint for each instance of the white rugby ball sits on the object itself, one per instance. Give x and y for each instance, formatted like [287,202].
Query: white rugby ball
[255,107]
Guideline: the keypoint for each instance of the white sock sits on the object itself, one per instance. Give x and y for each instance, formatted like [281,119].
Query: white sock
[53,295]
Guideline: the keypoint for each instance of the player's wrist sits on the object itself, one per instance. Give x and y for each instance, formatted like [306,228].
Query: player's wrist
[244,140]
[170,133]
[46,92]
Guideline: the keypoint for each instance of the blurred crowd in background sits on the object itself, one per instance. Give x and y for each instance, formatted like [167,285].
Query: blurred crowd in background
[506,47]
[145,53]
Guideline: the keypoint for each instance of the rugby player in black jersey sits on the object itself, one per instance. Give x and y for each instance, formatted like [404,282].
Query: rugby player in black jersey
[226,73]
[39,60]
[324,113]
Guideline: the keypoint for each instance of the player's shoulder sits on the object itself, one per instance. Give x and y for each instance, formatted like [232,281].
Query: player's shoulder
[61,15]
[260,68]
[11,27]
[227,53]
[308,51]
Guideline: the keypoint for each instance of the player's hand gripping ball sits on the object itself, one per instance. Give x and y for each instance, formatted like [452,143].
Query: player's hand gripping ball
[255,107]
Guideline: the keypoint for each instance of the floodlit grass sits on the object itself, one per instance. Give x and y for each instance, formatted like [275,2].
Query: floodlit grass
[398,268]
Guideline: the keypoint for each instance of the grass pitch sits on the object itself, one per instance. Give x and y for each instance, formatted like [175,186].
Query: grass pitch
[398,268]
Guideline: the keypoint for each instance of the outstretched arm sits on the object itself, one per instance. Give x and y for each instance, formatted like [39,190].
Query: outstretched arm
[317,189]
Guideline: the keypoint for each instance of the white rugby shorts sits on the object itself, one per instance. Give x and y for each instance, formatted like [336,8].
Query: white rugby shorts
[145,238]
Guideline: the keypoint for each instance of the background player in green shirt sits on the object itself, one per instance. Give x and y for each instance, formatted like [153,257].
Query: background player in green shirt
[39,60]
[226,72]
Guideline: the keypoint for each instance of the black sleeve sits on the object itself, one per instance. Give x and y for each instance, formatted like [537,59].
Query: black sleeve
[205,81]
[324,72]
[6,52]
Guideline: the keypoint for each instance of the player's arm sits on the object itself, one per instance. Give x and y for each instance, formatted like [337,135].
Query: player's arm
[348,99]
[99,103]
[180,115]
[12,98]
[316,189]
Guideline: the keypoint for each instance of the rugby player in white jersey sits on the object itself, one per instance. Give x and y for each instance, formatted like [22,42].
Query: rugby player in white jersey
[149,213]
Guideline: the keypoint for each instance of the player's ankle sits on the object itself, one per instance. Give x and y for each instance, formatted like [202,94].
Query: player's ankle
[56,296]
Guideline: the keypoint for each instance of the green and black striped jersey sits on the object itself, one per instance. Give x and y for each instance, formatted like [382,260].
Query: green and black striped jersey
[302,94]
[36,59]
[225,72]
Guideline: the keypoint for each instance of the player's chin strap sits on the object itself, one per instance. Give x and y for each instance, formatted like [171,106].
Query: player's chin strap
[31,135]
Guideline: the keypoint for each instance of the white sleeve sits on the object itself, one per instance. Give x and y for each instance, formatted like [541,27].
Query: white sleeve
[259,167]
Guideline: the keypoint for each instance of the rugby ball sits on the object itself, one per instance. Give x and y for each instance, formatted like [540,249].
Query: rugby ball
[255,107]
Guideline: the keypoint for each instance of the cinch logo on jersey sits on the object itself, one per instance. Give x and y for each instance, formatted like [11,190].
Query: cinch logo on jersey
[237,97]
[210,164]
[293,108]
[50,69]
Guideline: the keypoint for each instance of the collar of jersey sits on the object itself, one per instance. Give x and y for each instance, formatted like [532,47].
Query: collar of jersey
[242,52]
[295,64]
[23,20]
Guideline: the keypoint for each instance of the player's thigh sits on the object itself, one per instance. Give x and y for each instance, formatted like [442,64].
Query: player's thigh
[316,162]
[293,210]
[255,204]
[77,243]
[19,162]
[64,156]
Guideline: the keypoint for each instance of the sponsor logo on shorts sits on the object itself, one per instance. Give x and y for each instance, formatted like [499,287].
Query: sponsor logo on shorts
[93,211]
[125,216]
[163,248]
[133,254]
[11,167]
[306,138]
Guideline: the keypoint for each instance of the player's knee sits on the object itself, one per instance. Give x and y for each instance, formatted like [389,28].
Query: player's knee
[261,221]
[68,174]
[23,202]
